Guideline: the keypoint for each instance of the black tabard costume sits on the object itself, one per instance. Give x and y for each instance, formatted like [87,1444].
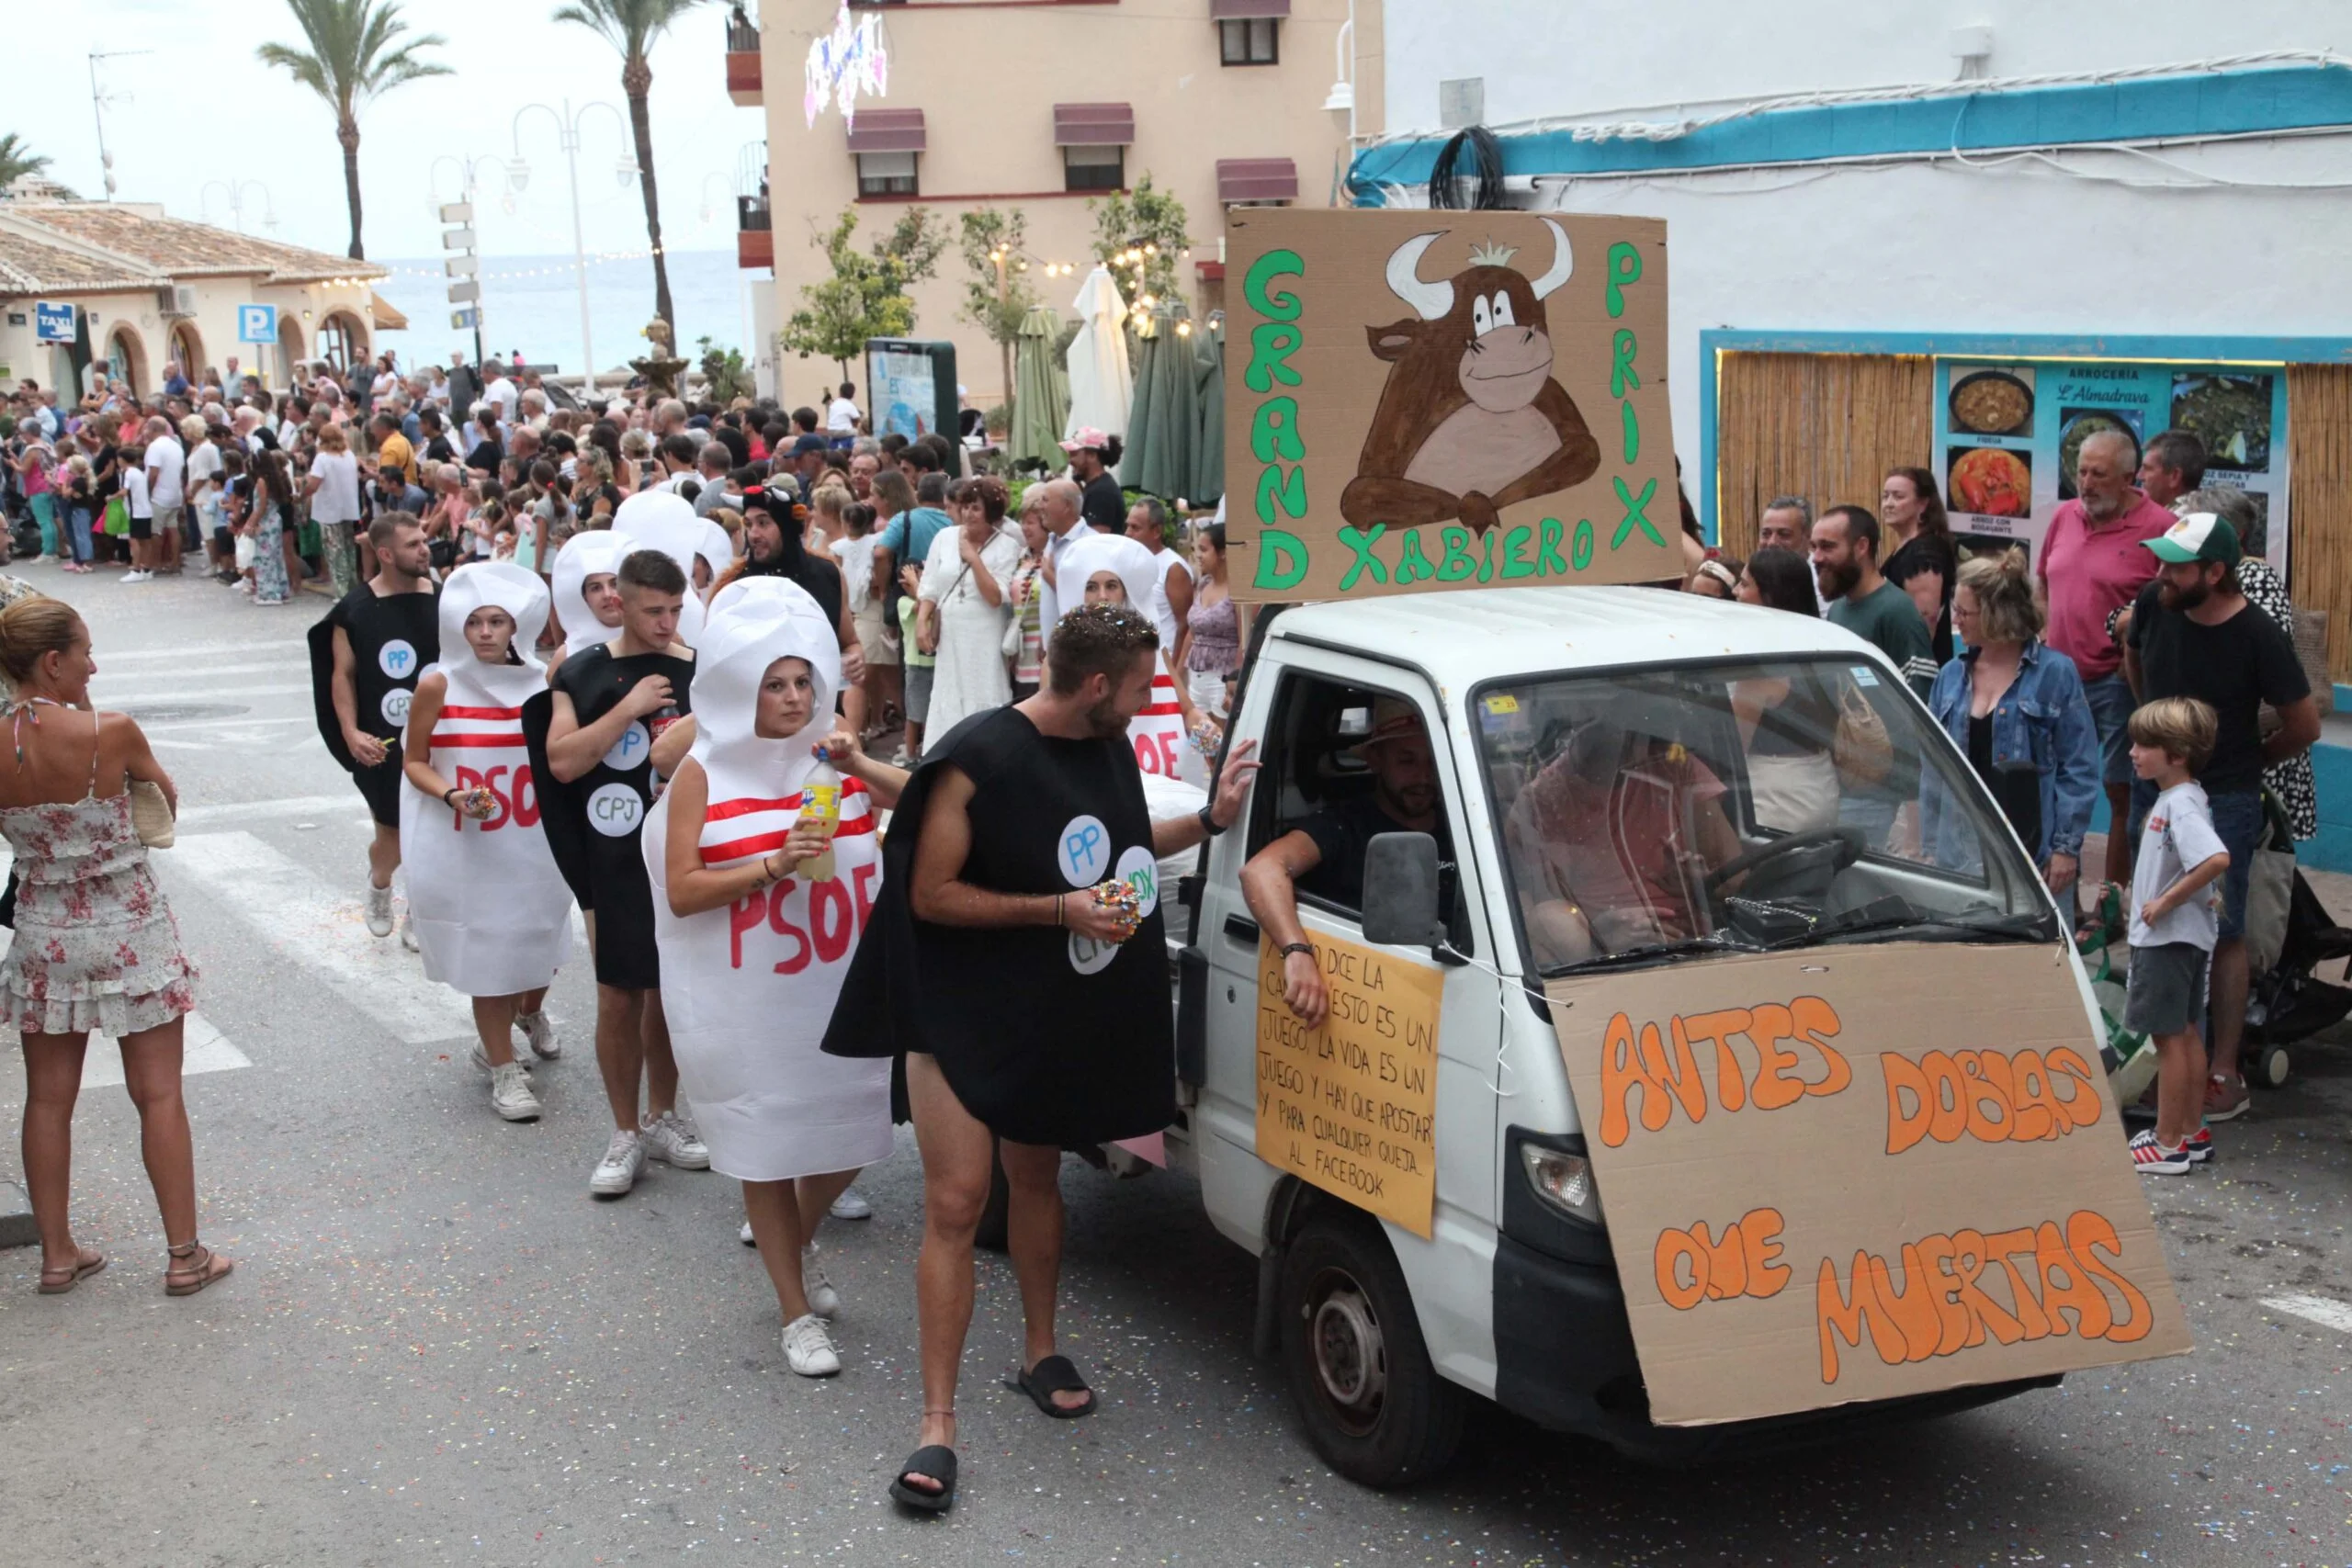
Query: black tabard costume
[394,638]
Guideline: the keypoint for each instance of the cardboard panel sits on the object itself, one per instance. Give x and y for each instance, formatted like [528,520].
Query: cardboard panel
[1854,1173]
[1422,401]
[1352,1107]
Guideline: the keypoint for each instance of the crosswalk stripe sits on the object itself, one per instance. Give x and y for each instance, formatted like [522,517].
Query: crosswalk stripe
[2322,1310]
[204,1049]
[182,654]
[287,808]
[300,916]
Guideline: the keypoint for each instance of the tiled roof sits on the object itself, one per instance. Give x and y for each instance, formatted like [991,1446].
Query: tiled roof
[184,249]
[31,265]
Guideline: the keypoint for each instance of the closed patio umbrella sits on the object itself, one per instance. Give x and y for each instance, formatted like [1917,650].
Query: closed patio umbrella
[1164,425]
[1041,391]
[1208,398]
[1100,384]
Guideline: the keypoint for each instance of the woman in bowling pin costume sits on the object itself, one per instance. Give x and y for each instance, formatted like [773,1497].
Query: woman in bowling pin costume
[1114,569]
[757,912]
[587,592]
[493,912]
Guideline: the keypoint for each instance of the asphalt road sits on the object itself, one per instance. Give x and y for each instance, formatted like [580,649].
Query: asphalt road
[438,1349]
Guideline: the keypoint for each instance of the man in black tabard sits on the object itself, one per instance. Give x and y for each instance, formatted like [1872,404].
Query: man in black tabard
[1324,855]
[612,732]
[366,655]
[1031,1017]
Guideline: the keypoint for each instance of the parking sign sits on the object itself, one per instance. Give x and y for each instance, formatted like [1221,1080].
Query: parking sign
[256,323]
[52,321]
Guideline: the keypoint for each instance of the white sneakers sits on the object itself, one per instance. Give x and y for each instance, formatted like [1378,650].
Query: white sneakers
[408,931]
[617,1171]
[538,1031]
[823,1300]
[380,910]
[849,1206]
[136,575]
[671,1139]
[809,1350]
[510,1096]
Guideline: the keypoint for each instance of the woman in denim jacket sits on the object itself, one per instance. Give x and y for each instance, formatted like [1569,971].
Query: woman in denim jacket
[2015,707]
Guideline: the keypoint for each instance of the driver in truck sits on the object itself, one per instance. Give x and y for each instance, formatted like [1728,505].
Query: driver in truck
[1324,855]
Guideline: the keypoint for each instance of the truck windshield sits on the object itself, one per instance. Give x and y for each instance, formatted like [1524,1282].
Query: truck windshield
[1743,807]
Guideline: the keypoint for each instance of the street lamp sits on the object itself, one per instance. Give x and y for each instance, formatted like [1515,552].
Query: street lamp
[236,192]
[520,173]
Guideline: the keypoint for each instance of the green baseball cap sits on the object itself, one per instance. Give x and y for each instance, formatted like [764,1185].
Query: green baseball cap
[2200,535]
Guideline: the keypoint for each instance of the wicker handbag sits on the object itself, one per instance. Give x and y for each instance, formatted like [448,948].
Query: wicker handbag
[151,814]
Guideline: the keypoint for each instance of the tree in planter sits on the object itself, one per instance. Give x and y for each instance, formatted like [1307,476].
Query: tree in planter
[1139,235]
[867,294]
[997,294]
[723,371]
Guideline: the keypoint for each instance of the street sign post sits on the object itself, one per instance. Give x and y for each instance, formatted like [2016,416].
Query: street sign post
[256,323]
[457,212]
[464,293]
[464,268]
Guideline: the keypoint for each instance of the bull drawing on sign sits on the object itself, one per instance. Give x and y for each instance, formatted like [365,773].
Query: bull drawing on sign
[1471,420]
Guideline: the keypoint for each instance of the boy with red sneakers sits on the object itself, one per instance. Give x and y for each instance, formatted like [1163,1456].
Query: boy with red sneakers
[2174,926]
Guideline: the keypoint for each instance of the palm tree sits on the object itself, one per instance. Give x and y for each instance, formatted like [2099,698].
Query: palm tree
[631,26]
[356,53]
[17,160]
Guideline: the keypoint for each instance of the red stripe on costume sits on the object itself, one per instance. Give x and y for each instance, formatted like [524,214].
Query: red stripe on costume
[457,711]
[723,810]
[767,843]
[512,739]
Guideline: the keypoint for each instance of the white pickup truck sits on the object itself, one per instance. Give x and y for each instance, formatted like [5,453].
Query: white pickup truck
[1530,695]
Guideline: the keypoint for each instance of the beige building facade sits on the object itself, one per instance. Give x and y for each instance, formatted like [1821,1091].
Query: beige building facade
[1041,106]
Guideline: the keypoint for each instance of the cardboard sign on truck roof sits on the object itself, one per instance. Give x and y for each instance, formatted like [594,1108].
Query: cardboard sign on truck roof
[1426,400]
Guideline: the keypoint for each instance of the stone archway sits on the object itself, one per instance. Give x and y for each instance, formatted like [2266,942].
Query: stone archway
[188,347]
[343,340]
[290,347]
[125,357]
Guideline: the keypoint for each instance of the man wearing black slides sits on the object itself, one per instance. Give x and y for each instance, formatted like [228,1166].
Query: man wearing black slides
[1023,976]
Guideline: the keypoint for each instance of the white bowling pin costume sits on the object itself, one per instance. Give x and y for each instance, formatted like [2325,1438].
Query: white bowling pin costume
[1162,749]
[662,520]
[592,554]
[749,990]
[493,912]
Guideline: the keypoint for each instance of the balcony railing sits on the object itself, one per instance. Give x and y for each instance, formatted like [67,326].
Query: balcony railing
[744,84]
[754,241]
[751,213]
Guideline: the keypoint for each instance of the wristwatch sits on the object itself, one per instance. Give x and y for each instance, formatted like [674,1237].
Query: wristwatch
[1208,822]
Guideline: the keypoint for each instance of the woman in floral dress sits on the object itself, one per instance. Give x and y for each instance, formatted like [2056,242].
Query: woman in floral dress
[95,945]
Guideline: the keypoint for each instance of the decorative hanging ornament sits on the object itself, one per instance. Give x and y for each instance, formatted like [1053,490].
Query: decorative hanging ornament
[850,60]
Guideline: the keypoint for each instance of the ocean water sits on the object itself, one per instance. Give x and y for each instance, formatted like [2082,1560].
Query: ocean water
[532,303]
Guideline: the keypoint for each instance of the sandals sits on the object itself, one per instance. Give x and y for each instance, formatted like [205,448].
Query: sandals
[1053,1376]
[192,1277]
[57,1281]
[936,1461]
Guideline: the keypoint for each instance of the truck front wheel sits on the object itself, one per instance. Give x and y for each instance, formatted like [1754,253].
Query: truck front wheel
[1375,1407]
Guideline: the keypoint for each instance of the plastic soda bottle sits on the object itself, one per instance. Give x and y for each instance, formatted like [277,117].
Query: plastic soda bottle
[821,807]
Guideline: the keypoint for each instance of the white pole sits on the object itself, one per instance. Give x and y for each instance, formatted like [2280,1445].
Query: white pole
[579,252]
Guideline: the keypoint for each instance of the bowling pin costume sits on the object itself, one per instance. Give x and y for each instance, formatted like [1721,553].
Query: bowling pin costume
[584,555]
[748,989]
[493,913]
[1162,749]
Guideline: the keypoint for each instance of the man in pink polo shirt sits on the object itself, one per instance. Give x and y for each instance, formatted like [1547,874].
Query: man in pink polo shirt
[2091,567]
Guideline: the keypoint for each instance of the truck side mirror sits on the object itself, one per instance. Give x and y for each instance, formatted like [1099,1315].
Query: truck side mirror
[1401,891]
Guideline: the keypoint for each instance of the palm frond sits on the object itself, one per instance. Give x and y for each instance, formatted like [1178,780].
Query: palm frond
[629,26]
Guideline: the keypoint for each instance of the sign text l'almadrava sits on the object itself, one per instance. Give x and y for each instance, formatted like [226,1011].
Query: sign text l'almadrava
[1509,427]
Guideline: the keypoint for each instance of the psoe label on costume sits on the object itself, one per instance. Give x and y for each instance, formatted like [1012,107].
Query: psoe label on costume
[614,810]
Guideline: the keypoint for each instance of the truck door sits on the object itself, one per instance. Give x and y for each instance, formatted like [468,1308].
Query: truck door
[1312,708]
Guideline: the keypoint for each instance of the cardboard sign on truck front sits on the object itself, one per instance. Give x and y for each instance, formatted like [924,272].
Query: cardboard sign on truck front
[1853,1173]
[1426,400]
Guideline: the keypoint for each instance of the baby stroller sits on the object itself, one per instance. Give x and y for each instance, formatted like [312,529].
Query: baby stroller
[2289,935]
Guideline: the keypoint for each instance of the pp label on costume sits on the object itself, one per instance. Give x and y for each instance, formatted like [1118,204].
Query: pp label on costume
[1351,1106]
[1139,871]
[1083,851]
[395,707]
[631,750]
[397,659]
[614,810]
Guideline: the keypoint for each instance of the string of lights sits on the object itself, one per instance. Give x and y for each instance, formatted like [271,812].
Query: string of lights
[511,274]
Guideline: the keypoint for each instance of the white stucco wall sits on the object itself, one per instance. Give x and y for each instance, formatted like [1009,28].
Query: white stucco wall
[2006,246]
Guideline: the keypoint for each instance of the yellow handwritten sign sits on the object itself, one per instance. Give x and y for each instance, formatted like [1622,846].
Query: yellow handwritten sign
[1351,1106]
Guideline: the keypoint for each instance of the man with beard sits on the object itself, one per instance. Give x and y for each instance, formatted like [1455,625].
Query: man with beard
[1860,598]
[1324,855]
[2194,634]
[2091,567]
[1022,972]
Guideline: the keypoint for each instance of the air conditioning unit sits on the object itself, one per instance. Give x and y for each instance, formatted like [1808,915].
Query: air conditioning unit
[176,299]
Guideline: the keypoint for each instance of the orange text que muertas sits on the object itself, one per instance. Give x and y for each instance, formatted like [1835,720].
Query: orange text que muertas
[1650,1074]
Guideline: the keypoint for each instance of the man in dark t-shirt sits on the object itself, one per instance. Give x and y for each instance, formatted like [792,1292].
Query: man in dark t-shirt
[2195,634]
[1324,855]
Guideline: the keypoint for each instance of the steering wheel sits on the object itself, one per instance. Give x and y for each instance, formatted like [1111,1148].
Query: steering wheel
[1849,842]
